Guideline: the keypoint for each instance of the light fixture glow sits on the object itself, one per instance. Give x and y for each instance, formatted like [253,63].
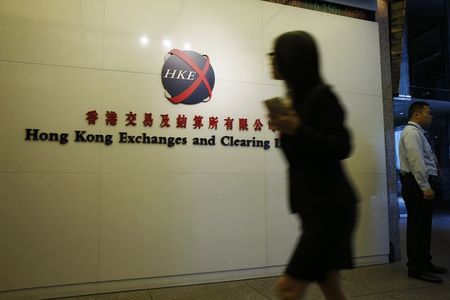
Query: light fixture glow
[167,43]
[187,46]
[144,40]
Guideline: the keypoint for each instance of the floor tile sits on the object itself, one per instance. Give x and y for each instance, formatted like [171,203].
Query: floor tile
[356,290]
[432,293]
[383,278]
[138,295]
[374,297]
[264,286]
[220,291]
[132,295]
[90,297]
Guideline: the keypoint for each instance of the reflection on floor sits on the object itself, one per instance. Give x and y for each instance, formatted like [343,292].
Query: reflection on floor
[375,282]
[402,208]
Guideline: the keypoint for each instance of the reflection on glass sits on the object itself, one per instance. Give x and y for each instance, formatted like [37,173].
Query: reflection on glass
[167,43]
[144,40]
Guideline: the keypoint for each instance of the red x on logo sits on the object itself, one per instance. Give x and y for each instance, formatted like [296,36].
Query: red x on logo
[201,76]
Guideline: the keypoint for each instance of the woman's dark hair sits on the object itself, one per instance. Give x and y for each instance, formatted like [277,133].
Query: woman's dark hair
[297,59]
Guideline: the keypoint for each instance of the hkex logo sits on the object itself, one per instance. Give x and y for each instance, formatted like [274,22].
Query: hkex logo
[187,77]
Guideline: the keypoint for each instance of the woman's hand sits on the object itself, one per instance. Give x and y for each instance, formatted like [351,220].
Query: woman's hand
[288,123]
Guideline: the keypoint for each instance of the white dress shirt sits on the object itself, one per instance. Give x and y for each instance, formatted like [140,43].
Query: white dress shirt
[416,155]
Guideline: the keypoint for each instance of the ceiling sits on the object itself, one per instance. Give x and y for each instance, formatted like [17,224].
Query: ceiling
[428,42]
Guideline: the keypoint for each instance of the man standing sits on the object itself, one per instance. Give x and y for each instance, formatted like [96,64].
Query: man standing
[419,178]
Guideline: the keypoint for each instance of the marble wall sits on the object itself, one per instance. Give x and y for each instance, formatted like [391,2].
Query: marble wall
[106,217]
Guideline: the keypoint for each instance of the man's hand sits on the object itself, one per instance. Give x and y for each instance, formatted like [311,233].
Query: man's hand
[428,194]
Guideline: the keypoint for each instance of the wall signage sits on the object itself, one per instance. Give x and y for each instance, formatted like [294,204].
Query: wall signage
[163,121]
[187,77]
[84,137]
[358,9]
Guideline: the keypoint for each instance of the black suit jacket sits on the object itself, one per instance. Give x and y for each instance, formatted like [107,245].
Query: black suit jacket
[317,182]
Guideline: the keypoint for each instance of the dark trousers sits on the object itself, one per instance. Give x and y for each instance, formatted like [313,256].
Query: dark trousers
[420,214]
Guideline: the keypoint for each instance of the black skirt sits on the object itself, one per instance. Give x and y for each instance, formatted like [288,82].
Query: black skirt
[325,245]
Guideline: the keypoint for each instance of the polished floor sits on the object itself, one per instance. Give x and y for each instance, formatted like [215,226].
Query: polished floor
[372,283]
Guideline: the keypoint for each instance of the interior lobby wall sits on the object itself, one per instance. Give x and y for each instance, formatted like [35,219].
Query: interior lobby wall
[86,217]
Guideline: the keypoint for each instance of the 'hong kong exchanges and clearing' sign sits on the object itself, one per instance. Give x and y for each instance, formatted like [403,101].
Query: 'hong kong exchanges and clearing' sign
[188,78]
